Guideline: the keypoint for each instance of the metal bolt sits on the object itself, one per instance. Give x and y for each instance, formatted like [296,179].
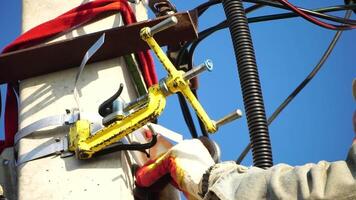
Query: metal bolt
[207,65]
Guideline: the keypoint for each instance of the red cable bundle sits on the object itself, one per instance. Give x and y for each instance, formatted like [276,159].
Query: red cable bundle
[59,25]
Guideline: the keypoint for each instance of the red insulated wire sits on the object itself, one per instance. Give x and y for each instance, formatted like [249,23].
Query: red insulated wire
[314,20]
[145,68]
[151,67]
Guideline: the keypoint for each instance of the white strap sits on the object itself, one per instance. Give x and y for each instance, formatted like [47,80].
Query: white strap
[55,120]
[55,146]
[58,120]
[91,51]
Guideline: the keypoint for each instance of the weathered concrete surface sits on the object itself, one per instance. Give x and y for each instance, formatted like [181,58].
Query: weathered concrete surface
[106,177]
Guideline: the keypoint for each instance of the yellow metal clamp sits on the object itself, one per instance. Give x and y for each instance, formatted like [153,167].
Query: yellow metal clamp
[143,111]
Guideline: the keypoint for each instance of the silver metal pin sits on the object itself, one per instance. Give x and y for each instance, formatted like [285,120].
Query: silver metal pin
[165,24]
[207,65]
[229,118]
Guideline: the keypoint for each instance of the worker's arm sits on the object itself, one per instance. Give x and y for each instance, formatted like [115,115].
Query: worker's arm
[188,161]
[324,180]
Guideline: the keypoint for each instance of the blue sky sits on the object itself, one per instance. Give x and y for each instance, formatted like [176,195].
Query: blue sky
[315,126]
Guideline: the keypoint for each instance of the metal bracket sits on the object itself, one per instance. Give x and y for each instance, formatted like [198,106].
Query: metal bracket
[57,56]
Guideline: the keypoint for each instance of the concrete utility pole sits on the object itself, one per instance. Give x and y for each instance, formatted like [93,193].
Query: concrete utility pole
[106,177]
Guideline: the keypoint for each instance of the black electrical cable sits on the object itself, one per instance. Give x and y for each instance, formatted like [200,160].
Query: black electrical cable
[204,34]
[222,25]
[308,12]
[292,15]
[313,12]
[134,146]
[201,124]
[184,106]
[253,8]
[203,7]
[300,87]
[187,115]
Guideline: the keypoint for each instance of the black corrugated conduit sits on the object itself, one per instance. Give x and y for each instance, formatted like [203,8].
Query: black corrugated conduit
[250,83]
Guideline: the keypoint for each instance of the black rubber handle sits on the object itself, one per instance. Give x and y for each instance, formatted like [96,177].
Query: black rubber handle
[106,108]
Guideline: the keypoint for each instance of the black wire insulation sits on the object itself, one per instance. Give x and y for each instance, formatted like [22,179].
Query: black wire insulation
[253,8]
[293,15]
[308,11]
[201,124]
[134,146]
[250,83]
[187,115]
[222,25]
[300,87]
[203,7]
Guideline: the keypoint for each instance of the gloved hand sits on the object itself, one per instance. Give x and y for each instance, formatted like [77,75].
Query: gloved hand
[185,163]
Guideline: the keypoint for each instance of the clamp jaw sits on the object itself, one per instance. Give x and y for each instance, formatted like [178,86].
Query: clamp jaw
[138,113]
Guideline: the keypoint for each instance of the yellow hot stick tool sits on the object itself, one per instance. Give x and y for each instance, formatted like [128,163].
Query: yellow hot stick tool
[138,113]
